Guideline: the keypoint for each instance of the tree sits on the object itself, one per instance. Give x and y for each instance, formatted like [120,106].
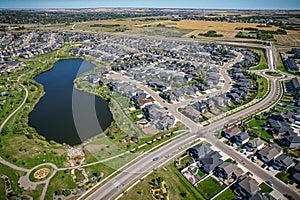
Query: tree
[5,131]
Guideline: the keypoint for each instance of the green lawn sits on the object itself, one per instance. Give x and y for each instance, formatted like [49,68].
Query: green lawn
[265,188]
[255,123]
[275,74]
[200,173]
[226,195]
[262,133]
[178,186]
[260,67]
[2,188]
[62,180]
[281,68]
[283,176]
[209,187]
[13,176]
[262,87]
[184,161]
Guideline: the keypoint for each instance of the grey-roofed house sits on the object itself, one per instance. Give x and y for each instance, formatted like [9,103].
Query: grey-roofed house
[283,162]
[268,153]
[292,141]
[296,178]
[228,170]
[210,162]
[261,196]
[279,127]
[256,144]
[191,112]
[198,151]
[241,138]
[165,123]
[207,158]
[219,101]
[247,187]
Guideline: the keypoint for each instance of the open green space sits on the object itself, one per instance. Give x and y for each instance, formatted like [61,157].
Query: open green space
[262,87]
[209,187]
[227,195]
[284,177]
[13,176]
[264,188]
[62,180]
[255,123]
[274,74]
[262,60]
[178,186]
[2,188]
[282,68]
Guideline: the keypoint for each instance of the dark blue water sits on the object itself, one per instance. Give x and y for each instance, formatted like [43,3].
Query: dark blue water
[65,114]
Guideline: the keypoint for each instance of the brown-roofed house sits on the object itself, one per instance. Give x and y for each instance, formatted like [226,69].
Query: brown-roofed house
[232,131]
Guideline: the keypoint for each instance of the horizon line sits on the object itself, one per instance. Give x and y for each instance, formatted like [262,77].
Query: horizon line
[177,8]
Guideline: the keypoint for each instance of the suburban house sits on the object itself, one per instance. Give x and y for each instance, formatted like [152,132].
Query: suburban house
[231,132]
[262,196]
[283,162]
[279,127]
[241,138]
[296,178]
[207,158]
[210,161]
[256,144]
[191,112]
[228,170]
[247,187]
[268,153]
[292,141]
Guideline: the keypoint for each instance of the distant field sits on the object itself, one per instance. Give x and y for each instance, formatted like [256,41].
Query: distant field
[291,39]
[225,28]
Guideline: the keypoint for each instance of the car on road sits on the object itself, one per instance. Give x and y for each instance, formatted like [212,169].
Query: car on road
[289,197]
[270,183]
[155,159]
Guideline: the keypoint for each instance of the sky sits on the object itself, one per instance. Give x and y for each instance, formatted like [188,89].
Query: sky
[201,4]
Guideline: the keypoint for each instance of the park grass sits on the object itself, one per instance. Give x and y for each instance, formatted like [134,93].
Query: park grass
[282,68]
[13,176]
[209,187]
[284,177]
[2,188]
[60,181]
[35,194]
[97,169]
[260,67]
[226,195]
[24,152]
[178,186]
[262,62]
[265,188]
[262,87]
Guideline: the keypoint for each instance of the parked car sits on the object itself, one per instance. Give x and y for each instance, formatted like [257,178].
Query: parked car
[270,183]
[288,196]
[264,166]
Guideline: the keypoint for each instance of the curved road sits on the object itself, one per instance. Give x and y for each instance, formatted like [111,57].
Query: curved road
[146,164]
